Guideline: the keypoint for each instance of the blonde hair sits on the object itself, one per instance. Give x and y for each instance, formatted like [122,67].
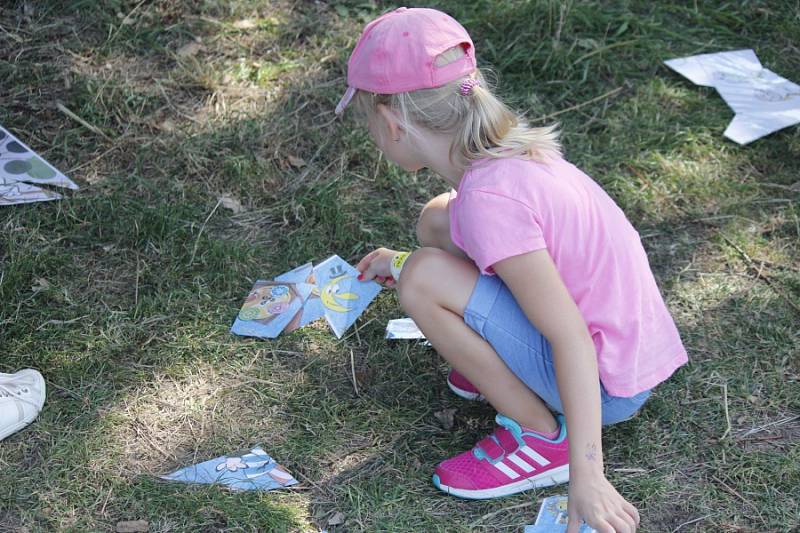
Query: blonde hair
[482,125]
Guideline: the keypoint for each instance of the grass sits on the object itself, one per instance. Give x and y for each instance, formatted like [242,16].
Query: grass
[122,294]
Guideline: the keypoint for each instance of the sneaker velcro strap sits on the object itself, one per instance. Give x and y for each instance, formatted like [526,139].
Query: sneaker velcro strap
[491,451]
[506,439]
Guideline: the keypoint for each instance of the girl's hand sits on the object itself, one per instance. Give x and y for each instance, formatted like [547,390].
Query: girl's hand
[594,500]
[375,265]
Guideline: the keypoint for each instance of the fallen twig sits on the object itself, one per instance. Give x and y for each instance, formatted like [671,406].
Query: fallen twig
[61,107]
[727,413]
[691,522]
[197,240]
[353,372]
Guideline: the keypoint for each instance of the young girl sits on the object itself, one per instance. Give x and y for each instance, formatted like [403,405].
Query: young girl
[531,282]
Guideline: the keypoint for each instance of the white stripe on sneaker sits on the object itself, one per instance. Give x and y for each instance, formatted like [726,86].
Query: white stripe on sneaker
[506,470]
[520,463]
[533,454]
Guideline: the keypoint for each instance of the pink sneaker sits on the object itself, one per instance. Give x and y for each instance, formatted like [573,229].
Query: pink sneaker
[462,386]
[506,462]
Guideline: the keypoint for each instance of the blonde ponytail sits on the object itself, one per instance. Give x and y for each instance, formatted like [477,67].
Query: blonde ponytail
[481,125]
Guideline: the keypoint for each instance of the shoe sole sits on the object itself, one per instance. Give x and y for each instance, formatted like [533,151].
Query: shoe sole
[555,476]
[13,429]
[467,395]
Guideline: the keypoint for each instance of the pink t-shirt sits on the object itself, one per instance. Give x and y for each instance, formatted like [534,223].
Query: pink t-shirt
[508,207]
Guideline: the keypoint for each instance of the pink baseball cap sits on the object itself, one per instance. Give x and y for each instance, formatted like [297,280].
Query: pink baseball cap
[397,52]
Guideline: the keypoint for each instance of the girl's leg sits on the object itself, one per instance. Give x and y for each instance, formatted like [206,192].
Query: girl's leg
[434,290]
[433,227]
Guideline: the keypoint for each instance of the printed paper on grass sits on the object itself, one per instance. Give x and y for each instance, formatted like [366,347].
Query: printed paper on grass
[21,170]
[342,295]
[249,470]
[271,307]
[302,295]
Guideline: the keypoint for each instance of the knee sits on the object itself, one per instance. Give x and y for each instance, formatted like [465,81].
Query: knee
[434,222]
[417,282]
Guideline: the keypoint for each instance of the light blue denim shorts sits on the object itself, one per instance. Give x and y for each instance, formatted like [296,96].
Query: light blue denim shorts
[494,314]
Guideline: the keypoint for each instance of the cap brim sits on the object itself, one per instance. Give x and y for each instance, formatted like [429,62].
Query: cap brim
[348,95]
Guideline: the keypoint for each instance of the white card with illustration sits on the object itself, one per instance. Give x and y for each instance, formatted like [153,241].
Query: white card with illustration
[22,171]
[763,101]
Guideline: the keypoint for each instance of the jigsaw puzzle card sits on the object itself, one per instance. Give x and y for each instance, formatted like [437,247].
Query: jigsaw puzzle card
[270,307]
[553,517]
[17,192]
[763,101]
[250,470]
[343,297]
[18,163]
[312,308]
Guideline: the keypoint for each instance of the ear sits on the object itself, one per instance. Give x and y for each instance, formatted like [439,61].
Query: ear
[393,127]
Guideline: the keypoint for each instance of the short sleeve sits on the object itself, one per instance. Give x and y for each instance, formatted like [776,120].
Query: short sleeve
[494,227]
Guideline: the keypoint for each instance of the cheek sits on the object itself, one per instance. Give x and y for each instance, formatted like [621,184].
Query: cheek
[374,133]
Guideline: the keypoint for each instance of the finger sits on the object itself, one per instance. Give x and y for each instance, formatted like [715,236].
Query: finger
[631,510]
[601,526]
[368,273]
[366,260]
[574,523]
[619,523]
[390,282]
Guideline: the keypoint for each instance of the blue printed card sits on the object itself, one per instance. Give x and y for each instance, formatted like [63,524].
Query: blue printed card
[312,308]
[553,517]
[342,295]
[304,294]
[270,308]
[249,470]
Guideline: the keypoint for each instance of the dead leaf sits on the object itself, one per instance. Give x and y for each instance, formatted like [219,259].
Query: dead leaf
[446,417]
[40,285]
[133,526]
[296,161]
[336,519]
[167,125]
[244,24]
[229,202]
[189,49]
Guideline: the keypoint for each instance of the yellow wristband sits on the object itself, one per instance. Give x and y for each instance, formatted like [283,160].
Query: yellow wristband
[396,265]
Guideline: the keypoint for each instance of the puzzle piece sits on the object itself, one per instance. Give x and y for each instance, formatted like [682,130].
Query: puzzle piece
[342,295]
[20,167]
[270,307]
[250,470]
[763,101]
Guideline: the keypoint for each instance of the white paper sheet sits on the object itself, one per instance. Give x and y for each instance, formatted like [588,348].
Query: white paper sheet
[20,167]
[763,101]
[403,328]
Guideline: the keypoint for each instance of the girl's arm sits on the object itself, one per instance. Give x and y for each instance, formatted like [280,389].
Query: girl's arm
[537,287]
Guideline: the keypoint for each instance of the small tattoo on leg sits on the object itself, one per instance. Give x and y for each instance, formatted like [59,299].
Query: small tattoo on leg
[591,452]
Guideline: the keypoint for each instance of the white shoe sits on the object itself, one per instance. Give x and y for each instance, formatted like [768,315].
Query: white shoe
[21,399]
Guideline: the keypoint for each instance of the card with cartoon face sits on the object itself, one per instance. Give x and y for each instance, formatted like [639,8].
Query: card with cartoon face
[270,307]
[304,294]
[343,296]
[312,308]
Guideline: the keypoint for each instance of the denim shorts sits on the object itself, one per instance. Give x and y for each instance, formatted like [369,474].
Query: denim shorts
[494,314]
